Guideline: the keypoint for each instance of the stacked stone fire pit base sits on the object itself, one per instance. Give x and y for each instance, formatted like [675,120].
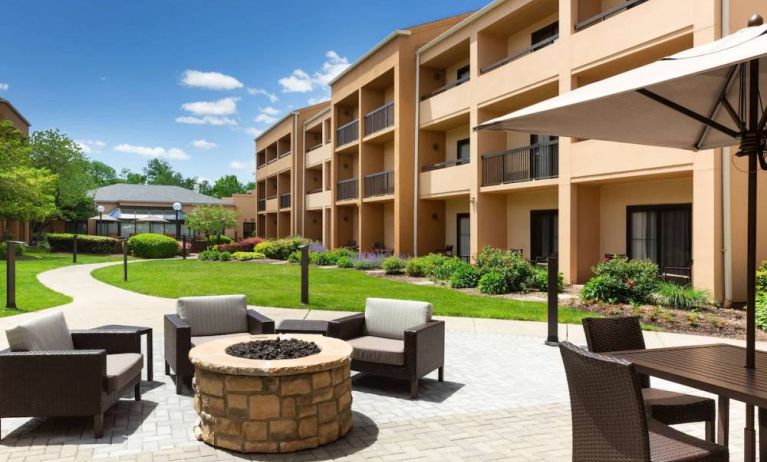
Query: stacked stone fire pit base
[274,406]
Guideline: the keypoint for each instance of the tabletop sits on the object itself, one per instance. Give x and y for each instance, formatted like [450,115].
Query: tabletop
[717,368]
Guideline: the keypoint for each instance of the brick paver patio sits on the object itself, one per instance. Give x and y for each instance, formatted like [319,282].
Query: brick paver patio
[504,398]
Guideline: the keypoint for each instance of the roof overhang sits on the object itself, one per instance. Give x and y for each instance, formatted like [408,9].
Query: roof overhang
[376,47]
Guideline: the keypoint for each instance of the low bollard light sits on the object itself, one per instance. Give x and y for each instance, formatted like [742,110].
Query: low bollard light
[74,248]
[10,275]
[304,274]
[553,302]
[125,260]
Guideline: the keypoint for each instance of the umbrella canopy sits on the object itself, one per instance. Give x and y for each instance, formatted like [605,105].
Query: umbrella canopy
[704,97]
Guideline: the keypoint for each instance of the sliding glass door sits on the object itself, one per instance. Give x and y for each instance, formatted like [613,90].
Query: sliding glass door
[660,233]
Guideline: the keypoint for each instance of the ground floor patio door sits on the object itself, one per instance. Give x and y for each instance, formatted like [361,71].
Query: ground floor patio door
[463,236]
[544,233]
[661,233]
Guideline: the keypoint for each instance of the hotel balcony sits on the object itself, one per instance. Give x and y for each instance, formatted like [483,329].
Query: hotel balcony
[284,201]
[271,204]
[535,162]
[317,199]
[318,154]
[348,133]
[347,189]
[443,179]
[262,205]
[442,78]
[379,184]
[378,120]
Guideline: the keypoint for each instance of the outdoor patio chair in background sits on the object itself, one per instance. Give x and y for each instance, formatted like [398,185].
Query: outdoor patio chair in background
[352,245]
[50,371]
[379,248]
[609,421]
[604,335]
[394,338]
[678,274]
[202,319]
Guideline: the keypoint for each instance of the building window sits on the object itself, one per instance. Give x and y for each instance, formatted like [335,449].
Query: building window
[660,233]
[463,236]
[463,151]
[552,30]
[544,233]
[463,73]
[248,229]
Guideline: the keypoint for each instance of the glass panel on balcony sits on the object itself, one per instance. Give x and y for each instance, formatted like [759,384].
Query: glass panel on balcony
[261,205]
[601,16]
[379,118]
[347,133]
[538,161]
[347,189]
[379,184]
[541,38]
[284,200]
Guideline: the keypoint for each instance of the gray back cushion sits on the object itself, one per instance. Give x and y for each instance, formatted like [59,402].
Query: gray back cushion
[215,315]
[46,332]
[390,318]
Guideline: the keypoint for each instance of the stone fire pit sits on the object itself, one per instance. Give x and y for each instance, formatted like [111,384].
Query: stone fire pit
[285,405]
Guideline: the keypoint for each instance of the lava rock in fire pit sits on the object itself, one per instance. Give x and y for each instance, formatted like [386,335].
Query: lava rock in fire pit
[273,349]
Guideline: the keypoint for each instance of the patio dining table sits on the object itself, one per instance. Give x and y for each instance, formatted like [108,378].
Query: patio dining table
[717,369]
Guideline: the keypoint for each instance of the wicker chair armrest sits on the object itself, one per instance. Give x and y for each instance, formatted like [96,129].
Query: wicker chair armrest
[347,327]
[259,324]
[178,339]
[49,381]
[425,346]
[111,341]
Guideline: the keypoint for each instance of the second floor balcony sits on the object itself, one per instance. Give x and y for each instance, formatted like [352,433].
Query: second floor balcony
[285,200]
[518,54]
[348,133]
[347,189]
[261,205]
[379,119]
[445,164]
[535,162]
[379,184]
[609,12]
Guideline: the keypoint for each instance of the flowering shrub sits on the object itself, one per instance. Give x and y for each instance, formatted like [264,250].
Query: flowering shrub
[280,249]
[243,245]
[620,280]
[367,261]
[424,266]
[510,264]
[246,256]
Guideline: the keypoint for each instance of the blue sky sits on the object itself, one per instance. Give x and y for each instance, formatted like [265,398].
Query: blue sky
[190,81]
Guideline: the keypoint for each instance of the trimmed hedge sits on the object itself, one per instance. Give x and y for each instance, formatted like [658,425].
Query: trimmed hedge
[62,242]
[151,245]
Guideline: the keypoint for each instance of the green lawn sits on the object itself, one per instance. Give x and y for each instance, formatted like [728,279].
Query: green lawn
[329,289]
[31,295]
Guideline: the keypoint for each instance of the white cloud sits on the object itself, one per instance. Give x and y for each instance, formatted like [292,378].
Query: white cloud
[270,110]
[301,82]
[238,165]
[260,91]
[210,80]
[206,120]
[223,106]
[318,99]
[4,86]
[265,119]
[91,146]
[203,144]
[254,132]
[152,152]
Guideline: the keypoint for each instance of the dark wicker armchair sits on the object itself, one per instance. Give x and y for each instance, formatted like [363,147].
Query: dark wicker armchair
[50,371]
[609,420]
[202,319]
[394,338]
[625,333]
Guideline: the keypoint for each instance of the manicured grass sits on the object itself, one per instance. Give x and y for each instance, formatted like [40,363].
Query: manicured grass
[329,289]
[31,295]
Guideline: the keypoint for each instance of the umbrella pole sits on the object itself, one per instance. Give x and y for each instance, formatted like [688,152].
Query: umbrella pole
[752,146]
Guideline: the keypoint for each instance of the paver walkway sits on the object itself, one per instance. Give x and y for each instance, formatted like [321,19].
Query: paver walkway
[505,396]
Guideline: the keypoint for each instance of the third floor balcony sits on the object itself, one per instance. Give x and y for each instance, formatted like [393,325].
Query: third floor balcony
[348,133]
[347,189]
[535,162]
[379,184]
[379,118]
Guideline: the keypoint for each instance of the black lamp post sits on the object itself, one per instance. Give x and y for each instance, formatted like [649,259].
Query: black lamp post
[100,224]
[177,208]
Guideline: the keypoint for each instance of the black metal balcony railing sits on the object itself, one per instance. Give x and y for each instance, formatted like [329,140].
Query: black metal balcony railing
[533,162]
[445,88]
[261,205]
[347,189]
[379,184]
[347,133]
[628,4]
[284,200]
[532,48]
[379,118]
[445,164]
[316,146]
[286,153]
[274,159]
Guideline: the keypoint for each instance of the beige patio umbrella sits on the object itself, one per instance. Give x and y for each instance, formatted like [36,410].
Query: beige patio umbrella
[704,97]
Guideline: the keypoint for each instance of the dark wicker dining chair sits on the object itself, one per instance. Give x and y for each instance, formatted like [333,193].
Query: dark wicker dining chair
[609,420]
[624,333]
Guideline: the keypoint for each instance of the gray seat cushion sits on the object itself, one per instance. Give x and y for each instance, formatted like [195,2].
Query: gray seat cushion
[122,369]
[390,318]
[196,341]
[378,350]
[45,332]
[215,315]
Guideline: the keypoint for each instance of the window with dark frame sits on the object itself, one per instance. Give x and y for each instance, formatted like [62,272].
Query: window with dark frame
[544,233]
[463,236]
[660,233]
[546,32]
[463,151]
[463,73]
